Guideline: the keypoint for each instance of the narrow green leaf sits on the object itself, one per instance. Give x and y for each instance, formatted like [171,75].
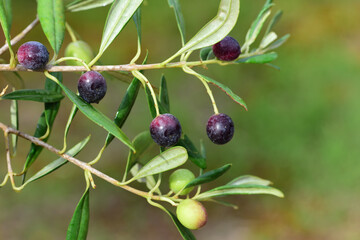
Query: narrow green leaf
[164,94]
[5,21]
[59,162]
[239,190]
[278,43]
[273,21]
[185,232]
[72,115]
[214,31]
[126,105]
[46,118]
[14,119]
[227,90]
[151,104]
[268,39]
[51,15]
[209,176]
[175,4]
[150,101]
[137,21]
[194,155]
[206,53]
[96,116]
[37,95]
[141,143]
[249,180]
[79,223]
[257,25]
[77,6]
[119,14]
[169,159]
[259,59]
[202,149]
[8,11]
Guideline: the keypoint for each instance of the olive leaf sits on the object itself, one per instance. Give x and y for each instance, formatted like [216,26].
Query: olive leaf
[52,19]
[209,176]
[79,223]
[175,4]
[83,5]
[5,21]
[37,95]
[239,190]
[119,14]
[215,30]
[169,159]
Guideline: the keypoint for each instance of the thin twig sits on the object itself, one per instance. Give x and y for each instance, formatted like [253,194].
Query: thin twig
[83,165]
[20,36]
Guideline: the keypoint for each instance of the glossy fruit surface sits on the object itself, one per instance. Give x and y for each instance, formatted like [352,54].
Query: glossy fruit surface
[227,49]
[220,128]
[179,179]
[33,55]
[79,49]
[192,214]
[92,87]
[165,130]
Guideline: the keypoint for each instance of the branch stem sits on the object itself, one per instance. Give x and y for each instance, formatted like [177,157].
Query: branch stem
[20,36]
[85,166]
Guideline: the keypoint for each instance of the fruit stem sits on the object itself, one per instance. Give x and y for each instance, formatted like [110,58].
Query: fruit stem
[71,32]
[72,58]
[146,82]
[192,72]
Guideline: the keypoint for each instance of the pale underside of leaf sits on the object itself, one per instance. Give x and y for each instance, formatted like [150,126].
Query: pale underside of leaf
[214,31]
[169,159]
[120,13]
[87,5]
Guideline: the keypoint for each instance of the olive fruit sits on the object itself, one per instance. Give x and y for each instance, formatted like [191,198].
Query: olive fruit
[192,214]
[33,55]
[79,49]
[220,128]
[227,49]
[179,179]
[92,87]
[165,130]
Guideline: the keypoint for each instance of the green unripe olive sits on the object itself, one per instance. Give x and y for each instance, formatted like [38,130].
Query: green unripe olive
[179,179]
[79,49]
[192,214]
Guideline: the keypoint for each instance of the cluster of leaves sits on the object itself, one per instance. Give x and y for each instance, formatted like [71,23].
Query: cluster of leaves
[52,19]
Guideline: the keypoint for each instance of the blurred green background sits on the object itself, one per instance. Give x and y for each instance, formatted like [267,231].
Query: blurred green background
[301,131]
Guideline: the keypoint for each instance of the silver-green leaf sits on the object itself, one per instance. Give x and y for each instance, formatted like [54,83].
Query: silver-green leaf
[52,19]
[169,159]
[214,31]
[257,25]
[58,162]
[179,18]
[37,95]
[249,180]
[87,5]
[119,14]
[239,190]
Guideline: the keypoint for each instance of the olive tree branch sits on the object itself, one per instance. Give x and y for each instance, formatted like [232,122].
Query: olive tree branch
[85,166]
[130,67]
[20,36]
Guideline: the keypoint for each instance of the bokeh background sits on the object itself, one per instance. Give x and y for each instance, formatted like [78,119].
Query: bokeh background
[301,131]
